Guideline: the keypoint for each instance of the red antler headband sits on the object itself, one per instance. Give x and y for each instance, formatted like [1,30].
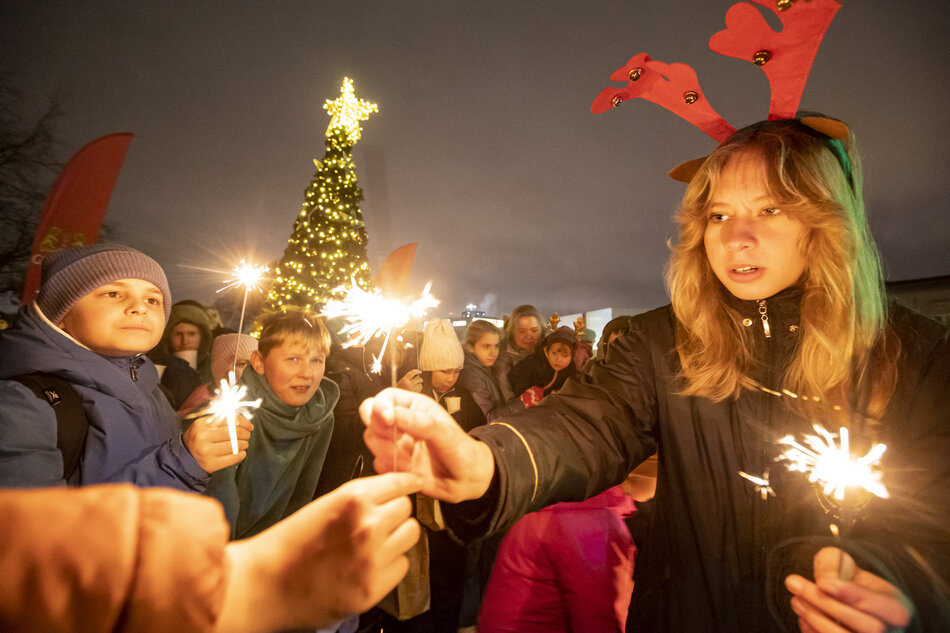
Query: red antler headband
[785,57]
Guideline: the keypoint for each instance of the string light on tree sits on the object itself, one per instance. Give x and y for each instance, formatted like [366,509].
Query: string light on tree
[327,248]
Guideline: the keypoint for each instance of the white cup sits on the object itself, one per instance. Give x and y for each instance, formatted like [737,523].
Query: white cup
[452,403]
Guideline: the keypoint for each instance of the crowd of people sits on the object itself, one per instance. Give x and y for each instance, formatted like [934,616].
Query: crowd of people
[778,319]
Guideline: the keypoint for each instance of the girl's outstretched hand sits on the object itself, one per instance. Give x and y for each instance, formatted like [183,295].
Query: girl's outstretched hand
[410,432]
[831,605]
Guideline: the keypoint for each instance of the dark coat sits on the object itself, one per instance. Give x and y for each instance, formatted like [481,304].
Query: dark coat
[705,566]
[348,456]
[509,356]
[469,414]
[535,371]
[483,385]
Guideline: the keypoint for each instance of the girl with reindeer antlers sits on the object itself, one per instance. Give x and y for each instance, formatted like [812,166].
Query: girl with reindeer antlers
[778,321]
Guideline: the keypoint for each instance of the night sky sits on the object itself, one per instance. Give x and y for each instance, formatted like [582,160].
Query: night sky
[484,150]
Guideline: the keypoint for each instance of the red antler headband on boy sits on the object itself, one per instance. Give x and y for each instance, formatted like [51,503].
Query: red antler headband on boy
[784,56]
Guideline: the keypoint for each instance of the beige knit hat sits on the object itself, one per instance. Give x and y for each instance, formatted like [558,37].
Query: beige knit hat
[440,347]
[222,353]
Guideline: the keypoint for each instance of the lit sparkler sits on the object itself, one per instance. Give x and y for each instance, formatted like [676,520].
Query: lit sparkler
[249,276]
[831,465]
[227,405]
[370,314]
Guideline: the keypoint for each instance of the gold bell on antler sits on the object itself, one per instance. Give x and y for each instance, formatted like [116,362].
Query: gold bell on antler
[761,57]
[783,5]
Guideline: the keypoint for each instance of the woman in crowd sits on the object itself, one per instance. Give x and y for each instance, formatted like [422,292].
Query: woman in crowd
[523,334]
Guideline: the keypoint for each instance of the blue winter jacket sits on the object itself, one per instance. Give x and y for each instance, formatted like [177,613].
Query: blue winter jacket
[134,435]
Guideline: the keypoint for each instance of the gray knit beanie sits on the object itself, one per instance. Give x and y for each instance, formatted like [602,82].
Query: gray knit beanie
[440,347]
[225,348]
[71,274]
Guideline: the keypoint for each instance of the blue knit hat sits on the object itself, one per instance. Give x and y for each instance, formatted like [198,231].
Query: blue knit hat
[71,274]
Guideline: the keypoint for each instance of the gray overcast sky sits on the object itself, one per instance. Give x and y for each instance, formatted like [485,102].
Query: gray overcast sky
[484,150]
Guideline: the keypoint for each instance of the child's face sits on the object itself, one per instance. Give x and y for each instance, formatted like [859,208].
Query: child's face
[753,246]
[293,369]
[527,332]
[185,336]
[118,319]
[559,356]
[486,349]
[444,379]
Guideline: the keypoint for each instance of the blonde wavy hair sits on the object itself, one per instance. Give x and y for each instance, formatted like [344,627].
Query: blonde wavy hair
[843,305]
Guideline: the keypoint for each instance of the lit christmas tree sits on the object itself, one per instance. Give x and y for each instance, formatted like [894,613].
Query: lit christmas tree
[327,249]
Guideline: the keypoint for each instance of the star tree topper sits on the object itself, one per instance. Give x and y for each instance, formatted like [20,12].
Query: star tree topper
[347,111]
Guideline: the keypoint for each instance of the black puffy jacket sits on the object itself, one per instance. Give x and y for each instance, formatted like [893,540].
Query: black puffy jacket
[706,565]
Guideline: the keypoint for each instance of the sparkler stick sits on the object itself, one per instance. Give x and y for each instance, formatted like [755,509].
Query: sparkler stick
[840,476]
[249,276]
[228,403]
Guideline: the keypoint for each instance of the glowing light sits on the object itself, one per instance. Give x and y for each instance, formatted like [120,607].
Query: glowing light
[347,111]
[831,465]
[247,275]
[761,484]
[370,314]
[227,404]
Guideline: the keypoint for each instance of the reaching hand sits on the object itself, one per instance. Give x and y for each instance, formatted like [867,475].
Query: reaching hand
[865,603]
[208,442]
[412,381]
[531,396]
[411,432]
[339,555]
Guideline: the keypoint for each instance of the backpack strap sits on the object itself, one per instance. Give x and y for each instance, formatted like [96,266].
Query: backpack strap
[71,423]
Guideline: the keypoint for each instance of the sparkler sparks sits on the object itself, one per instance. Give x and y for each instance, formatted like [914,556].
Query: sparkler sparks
[370,314]
[832,466]
[761,484]
[228,404]
[247,275]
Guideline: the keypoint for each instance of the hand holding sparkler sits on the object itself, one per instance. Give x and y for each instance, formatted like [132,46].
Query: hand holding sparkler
[865,603]
[413,430]
[209,442]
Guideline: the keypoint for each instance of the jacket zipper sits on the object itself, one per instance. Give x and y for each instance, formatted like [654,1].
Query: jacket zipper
[133,368]
[764,315]
[763,528]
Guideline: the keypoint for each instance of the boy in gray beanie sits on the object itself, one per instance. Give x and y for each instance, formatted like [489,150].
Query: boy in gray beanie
[100,307]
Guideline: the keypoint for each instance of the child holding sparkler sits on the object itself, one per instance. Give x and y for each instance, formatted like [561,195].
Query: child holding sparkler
[100,307]
[778,319]
[293,424]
